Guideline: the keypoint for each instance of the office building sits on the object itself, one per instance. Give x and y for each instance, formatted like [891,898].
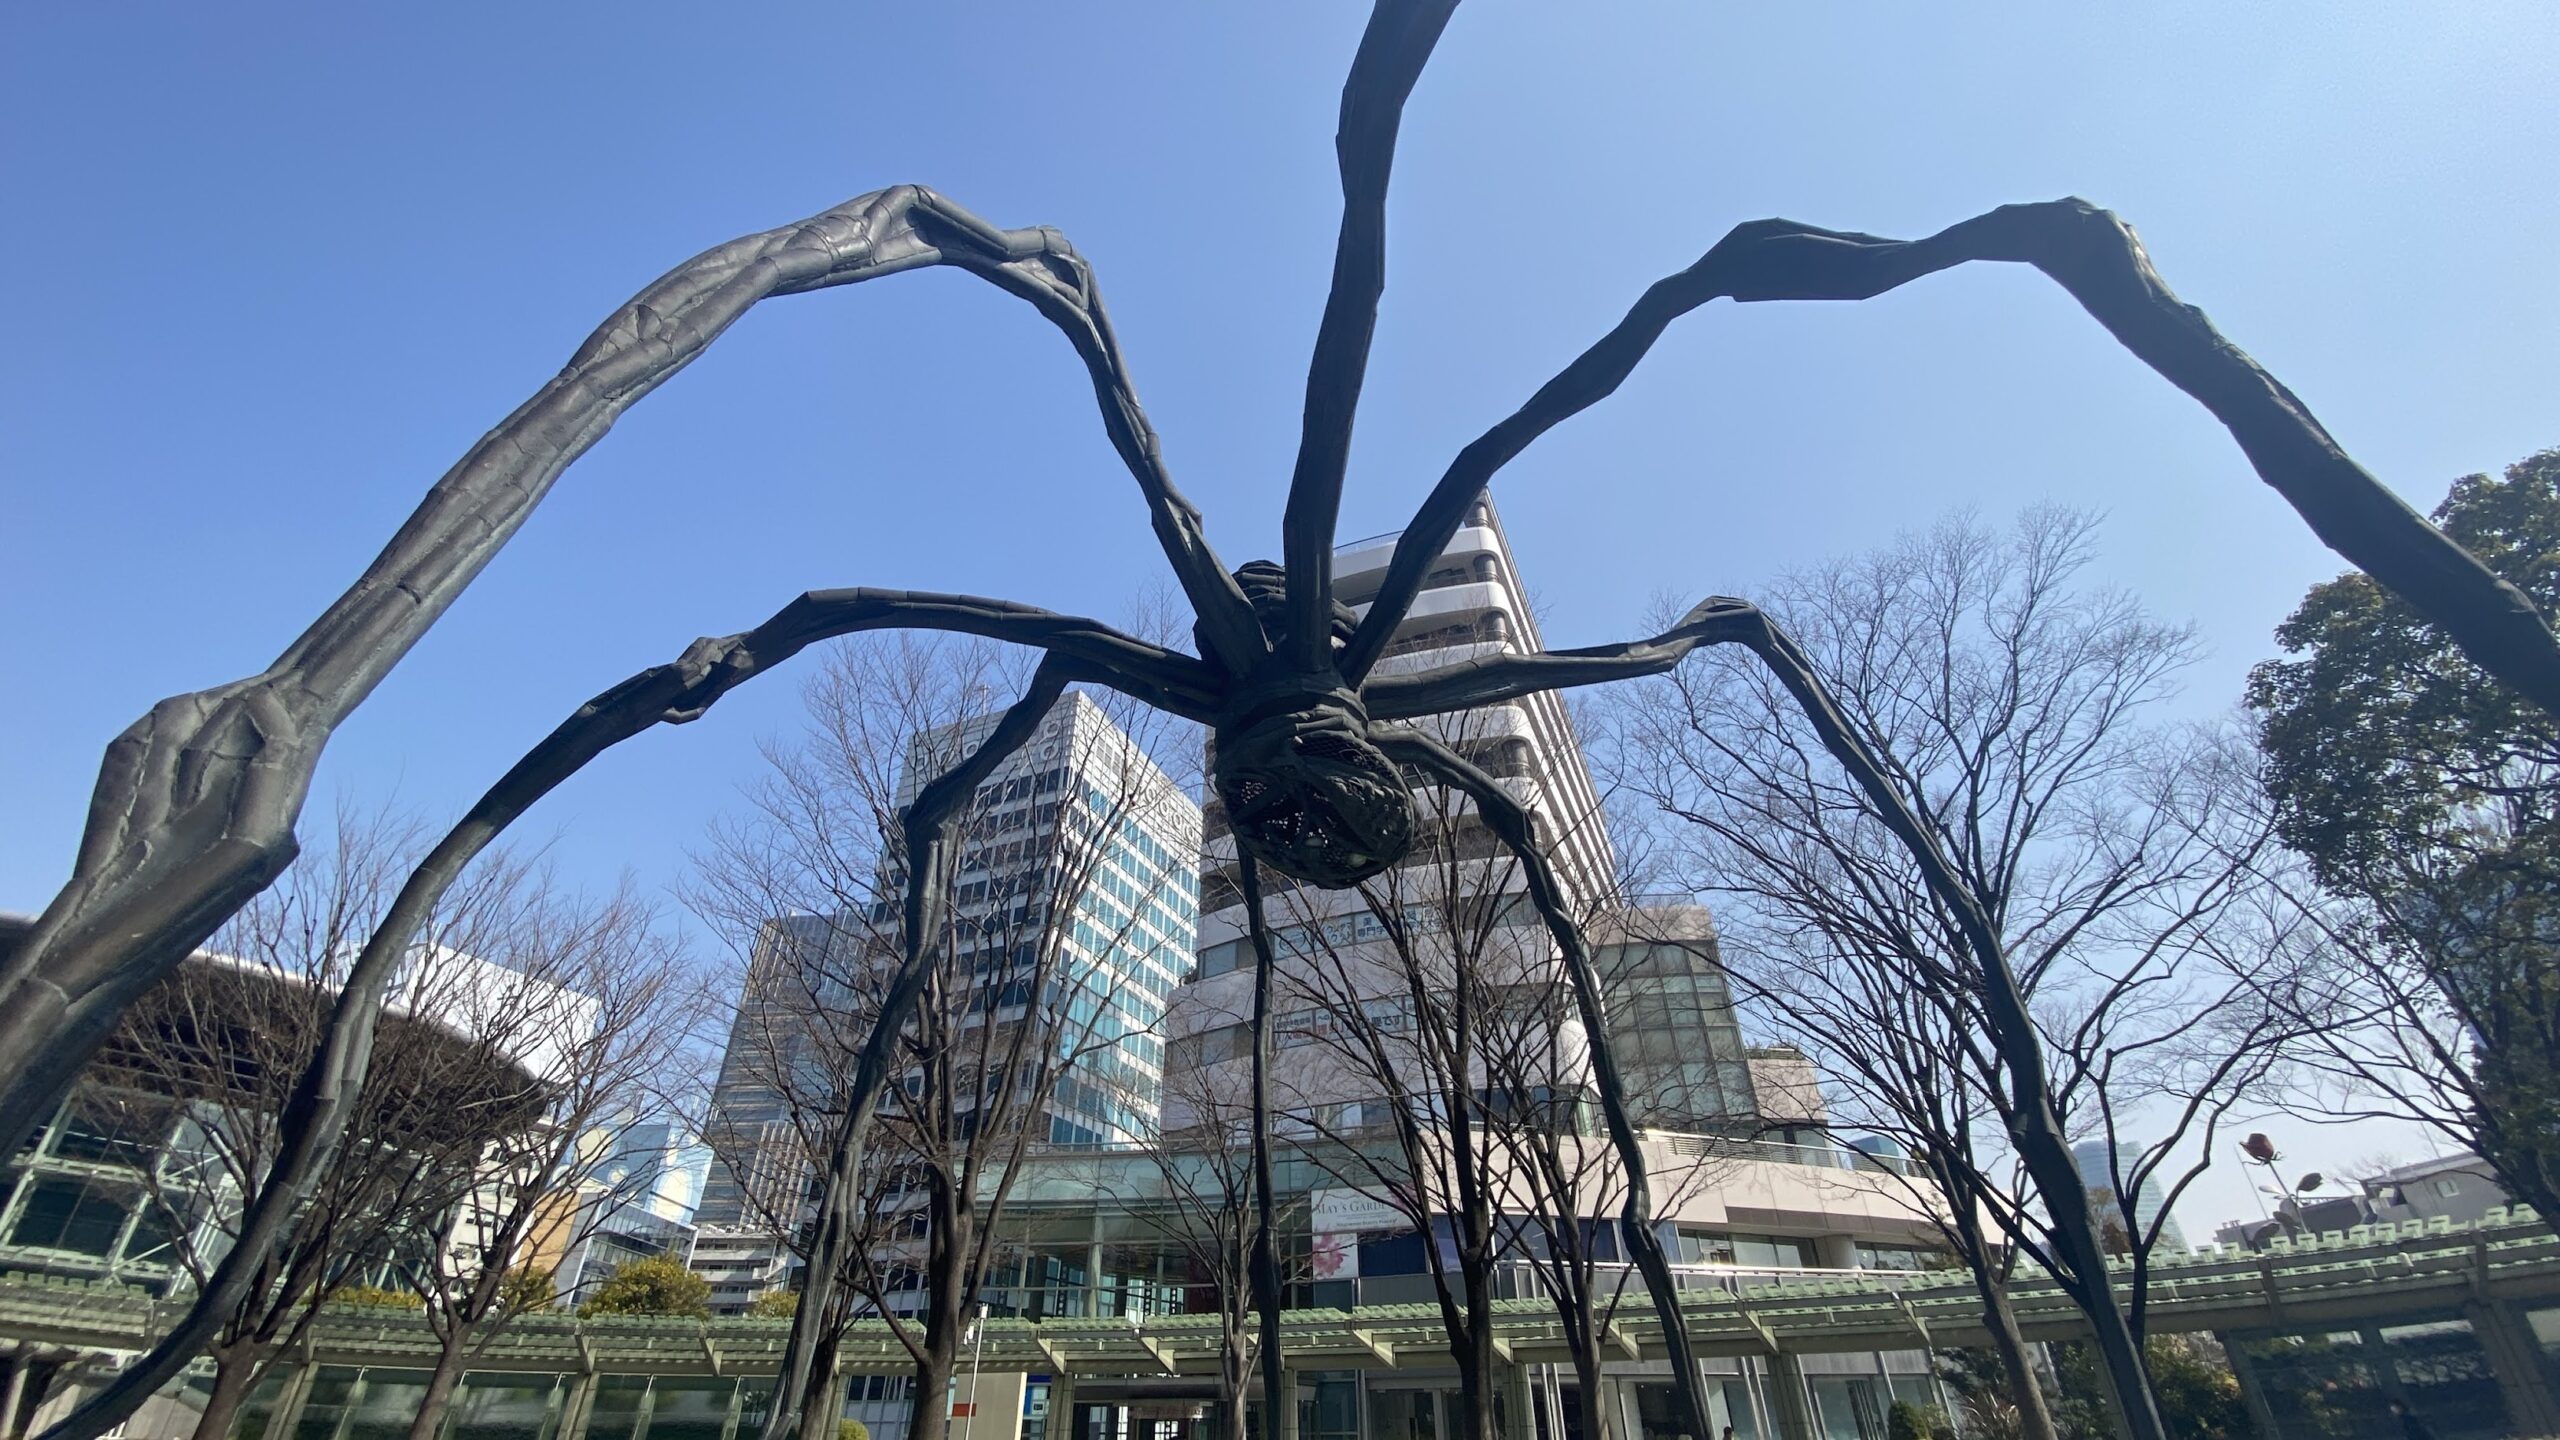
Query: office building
[2093,1160]
[1730,1198]
[1337,953]
[1079,850]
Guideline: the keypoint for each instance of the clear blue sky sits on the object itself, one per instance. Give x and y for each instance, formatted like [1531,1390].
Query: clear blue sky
[277,266]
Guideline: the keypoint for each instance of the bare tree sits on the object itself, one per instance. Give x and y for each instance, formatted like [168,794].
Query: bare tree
[1415,1001]
[1199,1198]
[2379,1024]
[217,1049]
[1892,1061]
[1015,1006]
[602,1004]
[1557,1187]
[2160,1029]
[2092,858]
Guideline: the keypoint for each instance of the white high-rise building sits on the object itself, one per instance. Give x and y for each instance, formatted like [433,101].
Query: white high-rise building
[1333,944]
[1080,808]
[1471,604]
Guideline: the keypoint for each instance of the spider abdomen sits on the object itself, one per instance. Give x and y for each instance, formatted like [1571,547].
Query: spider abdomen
[1308,794]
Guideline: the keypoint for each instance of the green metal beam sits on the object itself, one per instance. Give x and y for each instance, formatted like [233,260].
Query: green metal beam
[2333,1280]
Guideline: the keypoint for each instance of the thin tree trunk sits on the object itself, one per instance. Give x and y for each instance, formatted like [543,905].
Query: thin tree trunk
[1265,1259]
[822,1417]
[929,1413]
[1232,1378]
[1589,1384]
[442,1381]
[1476,1382]
[234,1371]
[2035,1418]
[1475,1389]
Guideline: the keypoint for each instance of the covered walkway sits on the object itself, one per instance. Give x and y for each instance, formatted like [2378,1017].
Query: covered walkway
[2501,1277]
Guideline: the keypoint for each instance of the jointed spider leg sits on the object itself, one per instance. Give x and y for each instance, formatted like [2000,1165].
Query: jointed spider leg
[314,1118]
[2035,1126]
[1263,1261]
[195,804]
[2098,259]
[1510,822]
[931,824]
[1041,267]
[1170,681]
[1393,49]
[1492,679]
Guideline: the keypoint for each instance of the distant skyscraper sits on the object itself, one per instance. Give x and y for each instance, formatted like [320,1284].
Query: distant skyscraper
[1081,785]
[2091,1158]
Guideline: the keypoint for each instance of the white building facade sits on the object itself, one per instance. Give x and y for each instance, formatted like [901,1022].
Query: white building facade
[1728,1200]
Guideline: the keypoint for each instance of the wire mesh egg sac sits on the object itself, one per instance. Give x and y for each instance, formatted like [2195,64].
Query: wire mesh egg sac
[1308,795]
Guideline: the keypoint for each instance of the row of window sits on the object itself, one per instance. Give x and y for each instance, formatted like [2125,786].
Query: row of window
[1761,1252]
[1359,927]
[1387,1015]
[92,1218]
[1176,870]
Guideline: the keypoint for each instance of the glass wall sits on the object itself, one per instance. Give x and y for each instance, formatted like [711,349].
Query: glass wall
[508,1407]
[1847,1407]
[379,1404]
[1672,1025]
[2341,1384]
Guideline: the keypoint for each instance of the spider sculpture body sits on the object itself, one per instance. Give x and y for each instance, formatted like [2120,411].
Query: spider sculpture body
[196,803]
[1306,789]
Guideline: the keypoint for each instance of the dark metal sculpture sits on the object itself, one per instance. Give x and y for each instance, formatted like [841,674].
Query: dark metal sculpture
[195,805]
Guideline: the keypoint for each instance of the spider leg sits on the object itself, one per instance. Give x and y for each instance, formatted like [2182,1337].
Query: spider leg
[2097,258]
[1040,267]
[2035,1126]
[196,802]
[1509,821]
[1492,679]
[315,1117]
[1264,1260]
[1166,679]
[1393,50]
[931,824]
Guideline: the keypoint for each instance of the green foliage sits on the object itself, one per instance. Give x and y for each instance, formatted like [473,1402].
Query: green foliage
[1908,1421]
[525,1289]
[2383,741]
[2414,782]
[375,1295]
[658,1285]
[1980,1385]
[776,1305]
[2191,1380]
[852,1430]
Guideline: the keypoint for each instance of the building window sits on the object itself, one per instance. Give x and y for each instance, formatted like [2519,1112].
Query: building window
[62,1212]
[111,1130]
[1896,1257]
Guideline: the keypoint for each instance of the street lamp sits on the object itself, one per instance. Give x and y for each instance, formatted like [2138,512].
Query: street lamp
[2262,1151]
[976,1340]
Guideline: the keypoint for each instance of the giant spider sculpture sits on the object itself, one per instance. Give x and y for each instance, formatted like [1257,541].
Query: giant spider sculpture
[195,805]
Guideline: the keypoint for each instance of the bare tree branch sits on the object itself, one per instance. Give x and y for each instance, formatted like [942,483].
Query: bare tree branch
[1509,821]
